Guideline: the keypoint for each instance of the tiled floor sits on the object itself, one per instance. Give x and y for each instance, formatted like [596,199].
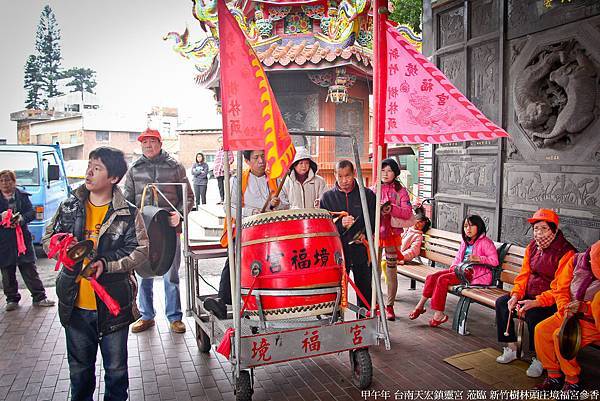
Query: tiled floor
[167,366]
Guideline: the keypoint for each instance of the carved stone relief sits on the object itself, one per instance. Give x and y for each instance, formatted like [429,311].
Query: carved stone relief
[529,16]
[483,81]
[484,17]
[555,94]
[487,215]
[515,48]
[512,152]
[467,178]
[452,65]
[448,216]
[451,26]
[553,190]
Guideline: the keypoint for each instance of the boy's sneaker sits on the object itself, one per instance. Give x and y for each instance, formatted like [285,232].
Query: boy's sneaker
[44,303]
[10,306]
[508,355]
[535,369]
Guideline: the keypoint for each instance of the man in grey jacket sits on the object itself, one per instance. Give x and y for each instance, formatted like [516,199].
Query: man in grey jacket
[156,165]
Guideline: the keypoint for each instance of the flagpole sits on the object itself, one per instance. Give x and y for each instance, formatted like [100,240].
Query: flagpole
[379,81]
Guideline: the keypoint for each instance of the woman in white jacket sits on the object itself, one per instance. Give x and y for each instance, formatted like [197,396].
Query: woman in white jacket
[303,188]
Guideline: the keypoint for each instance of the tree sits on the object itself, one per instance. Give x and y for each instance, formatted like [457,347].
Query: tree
[33,83]
[407,12]
[82,79]
[47,45]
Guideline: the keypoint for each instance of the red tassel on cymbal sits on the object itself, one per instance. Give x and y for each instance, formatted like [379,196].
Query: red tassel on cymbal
[113,306]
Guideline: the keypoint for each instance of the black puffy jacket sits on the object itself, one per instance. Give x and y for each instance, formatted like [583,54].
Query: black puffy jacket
[8,236]
[122,245]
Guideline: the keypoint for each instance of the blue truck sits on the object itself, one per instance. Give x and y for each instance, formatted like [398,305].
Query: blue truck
[40,172]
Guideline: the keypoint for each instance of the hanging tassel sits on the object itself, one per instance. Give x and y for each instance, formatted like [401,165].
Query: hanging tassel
[224,347]
[113,306]
[7,222]
[60,244]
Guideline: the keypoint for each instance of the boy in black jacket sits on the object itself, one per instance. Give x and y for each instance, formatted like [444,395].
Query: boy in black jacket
[98,211]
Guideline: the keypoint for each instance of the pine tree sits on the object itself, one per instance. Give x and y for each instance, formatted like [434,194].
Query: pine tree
[47,45]
[82,79]
[33,83]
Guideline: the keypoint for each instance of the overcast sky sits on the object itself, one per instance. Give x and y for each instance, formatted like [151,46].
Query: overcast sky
[121,40]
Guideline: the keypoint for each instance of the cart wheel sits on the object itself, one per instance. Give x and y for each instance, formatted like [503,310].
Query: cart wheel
[243,387]
[362,368]
[202,339]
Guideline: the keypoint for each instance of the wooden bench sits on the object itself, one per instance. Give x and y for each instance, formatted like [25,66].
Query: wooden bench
[440,247]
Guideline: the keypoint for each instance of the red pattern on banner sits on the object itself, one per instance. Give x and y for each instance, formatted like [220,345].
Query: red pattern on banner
[251,116]
[396,132]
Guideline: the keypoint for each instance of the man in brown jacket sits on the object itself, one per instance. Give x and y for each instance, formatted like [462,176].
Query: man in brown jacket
[156,165]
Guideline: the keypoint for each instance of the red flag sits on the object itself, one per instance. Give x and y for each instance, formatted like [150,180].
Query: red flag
[251,116]
[422,105]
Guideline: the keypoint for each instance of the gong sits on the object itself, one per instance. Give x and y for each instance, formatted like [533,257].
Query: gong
[162,239]
[569,337]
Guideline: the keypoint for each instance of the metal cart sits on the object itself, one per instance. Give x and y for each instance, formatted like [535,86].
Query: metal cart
[259,341]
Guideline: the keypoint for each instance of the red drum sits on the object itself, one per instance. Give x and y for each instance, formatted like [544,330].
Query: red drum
[296,257]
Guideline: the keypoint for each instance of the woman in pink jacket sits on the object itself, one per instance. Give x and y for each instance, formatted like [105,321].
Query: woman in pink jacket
[396,212]
[475,247]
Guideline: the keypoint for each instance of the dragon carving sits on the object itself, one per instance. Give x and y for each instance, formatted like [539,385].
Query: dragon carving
[555,95]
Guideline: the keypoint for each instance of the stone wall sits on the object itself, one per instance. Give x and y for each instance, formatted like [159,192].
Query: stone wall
[547,62]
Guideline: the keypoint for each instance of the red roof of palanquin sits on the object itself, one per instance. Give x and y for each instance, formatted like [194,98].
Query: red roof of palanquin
[308,55]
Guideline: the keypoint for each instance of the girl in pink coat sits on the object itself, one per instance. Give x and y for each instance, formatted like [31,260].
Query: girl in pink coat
[396,212]
[475,247]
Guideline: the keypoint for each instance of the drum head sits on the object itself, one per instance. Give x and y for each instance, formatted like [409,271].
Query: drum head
[162,239]
[569,337]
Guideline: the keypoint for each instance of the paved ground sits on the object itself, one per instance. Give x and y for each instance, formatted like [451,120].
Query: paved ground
[167,366]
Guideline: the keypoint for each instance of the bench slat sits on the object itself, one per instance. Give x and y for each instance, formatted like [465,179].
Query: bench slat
[485,296]
[436,257]
[434,232]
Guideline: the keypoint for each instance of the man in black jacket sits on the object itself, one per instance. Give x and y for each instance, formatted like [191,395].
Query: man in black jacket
[99,212]
[345,196]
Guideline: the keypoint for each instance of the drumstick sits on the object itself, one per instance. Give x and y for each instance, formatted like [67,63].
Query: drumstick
[506,333]
[279,188]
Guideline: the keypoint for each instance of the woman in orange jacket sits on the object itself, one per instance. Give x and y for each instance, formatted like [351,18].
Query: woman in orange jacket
[577,291]
[531,293]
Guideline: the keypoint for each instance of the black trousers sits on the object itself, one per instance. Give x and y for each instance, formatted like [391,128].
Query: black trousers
[200,191]
[532,318]
[362,276]
[220,182]
[225,284]
[31,278]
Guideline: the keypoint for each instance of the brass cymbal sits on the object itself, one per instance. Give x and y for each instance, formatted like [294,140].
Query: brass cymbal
[80,250]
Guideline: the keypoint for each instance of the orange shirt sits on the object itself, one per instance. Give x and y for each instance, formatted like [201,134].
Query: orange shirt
[94,216]
[546,298]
